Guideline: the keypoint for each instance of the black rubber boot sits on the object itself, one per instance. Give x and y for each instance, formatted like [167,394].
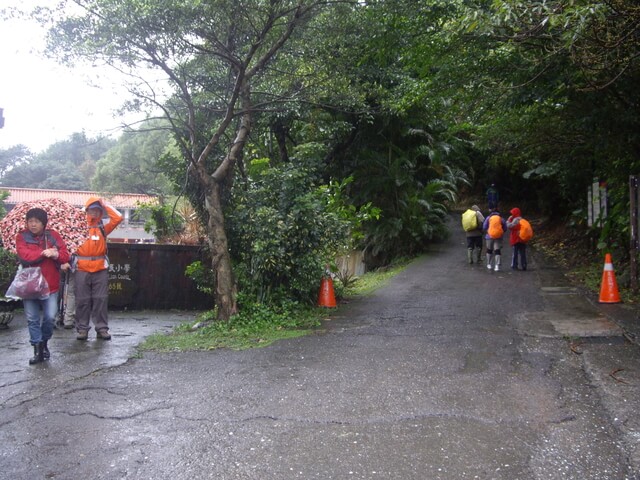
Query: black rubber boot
[46,354]
[38,354]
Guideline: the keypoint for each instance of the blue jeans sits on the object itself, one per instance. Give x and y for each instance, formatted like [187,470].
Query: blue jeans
[40,331]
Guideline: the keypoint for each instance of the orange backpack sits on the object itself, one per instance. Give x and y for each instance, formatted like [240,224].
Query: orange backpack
[525,232]
[495,229]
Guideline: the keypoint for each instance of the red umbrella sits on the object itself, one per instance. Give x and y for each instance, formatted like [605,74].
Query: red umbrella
[69,221]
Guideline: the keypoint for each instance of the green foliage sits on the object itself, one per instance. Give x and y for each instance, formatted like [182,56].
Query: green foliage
[159,220]
[615,231]
[13,157]
[210,58]
[410,100]
[282,233]
[258,325]
[65,165]
[338,203]
[8,260]
[202,276]
[386,135]
[3,196]
[558,104]
[408,177]
[133,164]
[375,279]
[354,218]
[8,268]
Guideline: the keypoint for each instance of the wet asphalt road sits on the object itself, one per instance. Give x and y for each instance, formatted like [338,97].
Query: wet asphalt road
[449,372]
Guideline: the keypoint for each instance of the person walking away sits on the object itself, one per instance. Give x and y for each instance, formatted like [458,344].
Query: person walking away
[495,226]
[92,274]
[39,247]
[492,197]
[519,245]
[472,221]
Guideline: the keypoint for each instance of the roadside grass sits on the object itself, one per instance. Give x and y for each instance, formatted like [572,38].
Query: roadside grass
[371,281]
[590,277]
[260,325]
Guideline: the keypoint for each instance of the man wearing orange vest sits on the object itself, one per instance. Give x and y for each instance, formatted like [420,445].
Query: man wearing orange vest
[92,274]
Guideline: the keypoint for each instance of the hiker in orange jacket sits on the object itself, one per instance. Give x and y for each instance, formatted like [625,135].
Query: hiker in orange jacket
[92,270]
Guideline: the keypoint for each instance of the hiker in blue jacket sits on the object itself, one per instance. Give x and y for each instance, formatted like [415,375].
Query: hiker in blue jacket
[492,197]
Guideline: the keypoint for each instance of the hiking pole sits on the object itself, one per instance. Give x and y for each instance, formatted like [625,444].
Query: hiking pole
[62,300]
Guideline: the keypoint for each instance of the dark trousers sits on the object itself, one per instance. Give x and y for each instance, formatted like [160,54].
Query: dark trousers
[474,242]
[519,251]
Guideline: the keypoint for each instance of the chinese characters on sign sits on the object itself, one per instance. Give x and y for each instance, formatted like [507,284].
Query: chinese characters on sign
[119,272]
[122,284]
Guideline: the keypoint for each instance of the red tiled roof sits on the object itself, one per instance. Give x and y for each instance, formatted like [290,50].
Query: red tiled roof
[77,198]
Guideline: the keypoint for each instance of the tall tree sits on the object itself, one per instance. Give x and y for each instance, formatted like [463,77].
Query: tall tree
[210,54]
[13,157]
[557,98]
[132,165]
[378,122]
[65,165]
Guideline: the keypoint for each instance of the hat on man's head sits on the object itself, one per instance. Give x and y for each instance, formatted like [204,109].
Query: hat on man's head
[39,214]
[95,205]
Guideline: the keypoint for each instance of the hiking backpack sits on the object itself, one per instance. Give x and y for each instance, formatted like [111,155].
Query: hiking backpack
[495,229]
[525,233]
[469,220]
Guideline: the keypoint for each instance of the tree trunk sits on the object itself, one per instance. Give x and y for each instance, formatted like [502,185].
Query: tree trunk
[225,286]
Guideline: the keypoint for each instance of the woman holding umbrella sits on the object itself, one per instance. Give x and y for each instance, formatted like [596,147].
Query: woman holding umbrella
[45,249]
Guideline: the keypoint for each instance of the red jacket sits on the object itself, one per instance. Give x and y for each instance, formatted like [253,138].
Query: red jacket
[30,249]
[513,224]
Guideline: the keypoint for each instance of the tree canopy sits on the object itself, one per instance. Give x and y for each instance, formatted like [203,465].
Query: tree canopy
[133,164]
[65,165]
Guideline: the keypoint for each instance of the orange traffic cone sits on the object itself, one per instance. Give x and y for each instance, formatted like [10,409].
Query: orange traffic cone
[326,298]
[609,287]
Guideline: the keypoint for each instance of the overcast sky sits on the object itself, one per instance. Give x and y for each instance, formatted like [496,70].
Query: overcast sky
[44,102]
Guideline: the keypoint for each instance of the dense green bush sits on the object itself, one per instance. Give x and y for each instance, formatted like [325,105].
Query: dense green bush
[282,233]
[202,276]
[8,267]
[3,196]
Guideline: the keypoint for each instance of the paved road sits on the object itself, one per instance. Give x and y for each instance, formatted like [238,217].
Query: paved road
[449,372]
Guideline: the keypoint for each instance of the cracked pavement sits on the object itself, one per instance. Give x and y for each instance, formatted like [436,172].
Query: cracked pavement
[449,372]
